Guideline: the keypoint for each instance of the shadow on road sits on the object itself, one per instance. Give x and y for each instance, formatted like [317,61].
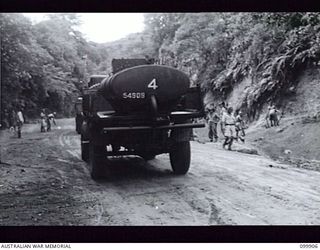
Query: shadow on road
[131,167]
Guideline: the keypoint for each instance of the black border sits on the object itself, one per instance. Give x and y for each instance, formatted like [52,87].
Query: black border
[157,5]
[158,234]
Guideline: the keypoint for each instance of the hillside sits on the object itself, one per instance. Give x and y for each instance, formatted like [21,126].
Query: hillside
[297,139]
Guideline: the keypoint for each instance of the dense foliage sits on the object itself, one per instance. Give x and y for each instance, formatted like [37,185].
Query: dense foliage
[268,50]
[44,64]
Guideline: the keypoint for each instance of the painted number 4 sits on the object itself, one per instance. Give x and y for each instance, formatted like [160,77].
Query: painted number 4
[153,84]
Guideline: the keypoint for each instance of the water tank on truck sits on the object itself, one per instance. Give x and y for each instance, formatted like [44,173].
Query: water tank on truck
[134,89]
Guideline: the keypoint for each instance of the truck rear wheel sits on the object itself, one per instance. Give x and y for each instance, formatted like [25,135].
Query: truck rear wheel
[96,161]
[180,158]
[84,149]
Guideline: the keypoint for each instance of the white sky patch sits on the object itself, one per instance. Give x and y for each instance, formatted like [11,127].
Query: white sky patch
[36,17]
[103,27]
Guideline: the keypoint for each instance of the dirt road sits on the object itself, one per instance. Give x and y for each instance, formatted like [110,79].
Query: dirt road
[44,182]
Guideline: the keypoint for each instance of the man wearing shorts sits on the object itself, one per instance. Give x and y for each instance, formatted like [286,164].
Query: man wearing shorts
[229,127]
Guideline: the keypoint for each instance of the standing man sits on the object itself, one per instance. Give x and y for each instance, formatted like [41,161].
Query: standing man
[43,121]
[240,126]
[223,110]
[51,117]
[48,123]
[268,117]
[13,120]
[212,120]
[224,107]
[228,124]
[20,121]
[273,116]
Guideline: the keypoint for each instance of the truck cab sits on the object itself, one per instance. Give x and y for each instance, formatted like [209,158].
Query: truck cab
[78,107]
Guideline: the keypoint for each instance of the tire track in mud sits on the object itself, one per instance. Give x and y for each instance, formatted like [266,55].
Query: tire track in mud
[139,194]
[214,215]
[222,188]
[67,140]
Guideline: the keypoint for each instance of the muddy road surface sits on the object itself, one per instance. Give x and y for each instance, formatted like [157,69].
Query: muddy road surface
[43,181]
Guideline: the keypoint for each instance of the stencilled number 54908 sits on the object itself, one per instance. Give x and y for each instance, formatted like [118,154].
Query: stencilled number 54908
[134,95]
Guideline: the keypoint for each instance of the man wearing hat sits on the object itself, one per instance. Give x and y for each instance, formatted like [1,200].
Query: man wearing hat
[212,120]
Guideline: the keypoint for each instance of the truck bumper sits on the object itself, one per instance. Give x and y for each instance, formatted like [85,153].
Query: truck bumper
[170,126]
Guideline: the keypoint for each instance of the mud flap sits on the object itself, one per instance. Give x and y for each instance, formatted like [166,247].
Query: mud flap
[84,149]
[96,161]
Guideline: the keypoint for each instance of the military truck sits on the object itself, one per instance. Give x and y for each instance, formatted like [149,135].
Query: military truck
[141,109]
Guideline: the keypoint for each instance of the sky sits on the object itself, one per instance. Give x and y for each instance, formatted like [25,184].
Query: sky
[103,27]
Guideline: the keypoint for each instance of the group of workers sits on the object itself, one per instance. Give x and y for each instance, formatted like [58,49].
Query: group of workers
[272,116]
[14,119]
[46,120]
[232,124]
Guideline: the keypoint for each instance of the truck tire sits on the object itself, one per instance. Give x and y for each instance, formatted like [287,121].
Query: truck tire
[180,157]
[96,161]
[84,150]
